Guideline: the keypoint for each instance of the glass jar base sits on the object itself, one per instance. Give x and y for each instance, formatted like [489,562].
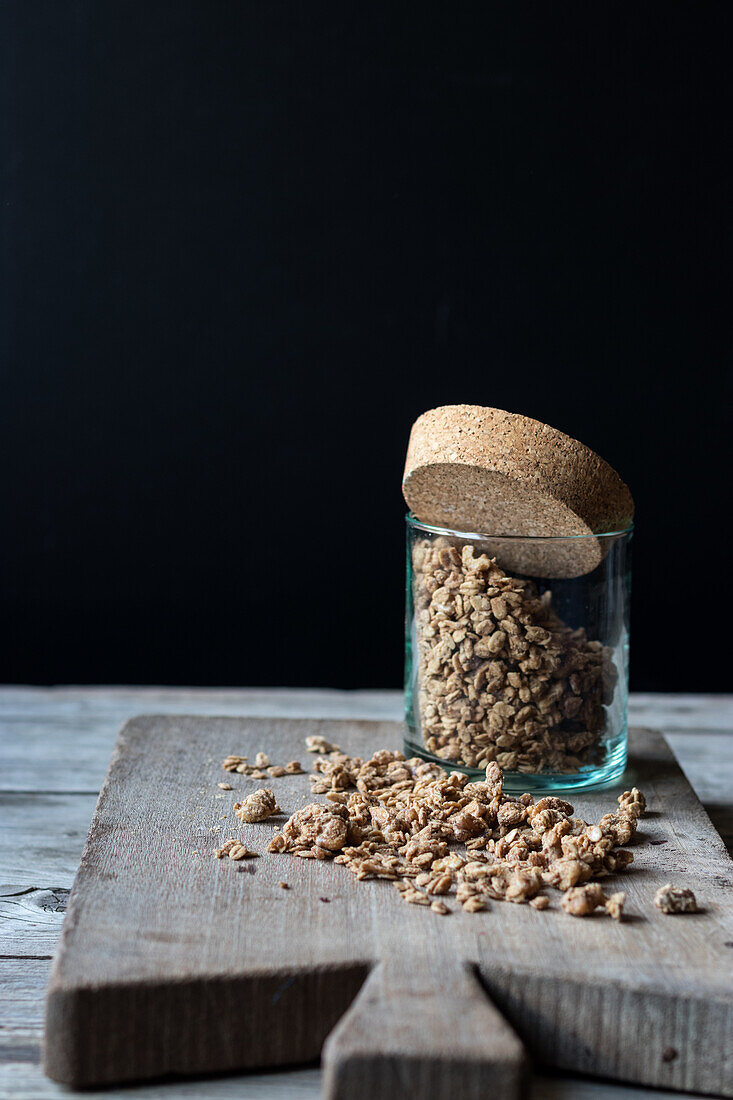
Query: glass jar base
[602,775]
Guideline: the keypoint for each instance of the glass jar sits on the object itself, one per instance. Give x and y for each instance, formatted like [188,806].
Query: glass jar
[504,663]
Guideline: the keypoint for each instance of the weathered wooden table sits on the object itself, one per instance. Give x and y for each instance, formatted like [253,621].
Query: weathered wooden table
[54,749]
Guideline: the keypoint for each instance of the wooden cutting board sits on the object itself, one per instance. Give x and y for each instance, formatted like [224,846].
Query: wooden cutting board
[172,962]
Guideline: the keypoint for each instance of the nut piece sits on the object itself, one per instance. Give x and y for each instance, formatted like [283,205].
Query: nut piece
[262,760]
[675,899]
[615,905]
[225,786]
[240,851]
[257,806]
[293,768]
[316,743]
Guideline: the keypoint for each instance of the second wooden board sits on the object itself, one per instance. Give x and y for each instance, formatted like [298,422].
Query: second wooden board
[173,962]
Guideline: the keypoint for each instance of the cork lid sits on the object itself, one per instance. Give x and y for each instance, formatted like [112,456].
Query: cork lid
[490,472]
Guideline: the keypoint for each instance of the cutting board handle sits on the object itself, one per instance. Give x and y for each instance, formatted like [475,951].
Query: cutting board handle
[426,1030]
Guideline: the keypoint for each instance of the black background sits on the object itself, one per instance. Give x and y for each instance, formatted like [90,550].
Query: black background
[245,244]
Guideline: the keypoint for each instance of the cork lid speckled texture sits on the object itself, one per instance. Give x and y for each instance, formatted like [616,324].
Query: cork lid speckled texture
[492,472]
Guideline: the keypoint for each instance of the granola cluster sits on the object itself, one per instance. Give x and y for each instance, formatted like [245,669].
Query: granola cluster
[320,830]
[500,676]
[257,806]
[581,901]
[675,899]
[401,820]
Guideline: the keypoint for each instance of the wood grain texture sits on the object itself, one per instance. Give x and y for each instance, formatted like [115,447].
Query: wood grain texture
[422,1027]
[579,992]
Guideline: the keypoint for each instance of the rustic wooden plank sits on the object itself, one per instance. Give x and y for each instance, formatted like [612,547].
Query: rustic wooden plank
[173,910]
[559,1087]
[67,734]
[22,983]
[32,906]
[38,864]
[22,1081]
[682,711]
[121,702]
[71,752]
[68,742]
[707,760]
[21,1009]
[674,710]
[21,997]
[705,757]
[34,854]
[30,919]
[60,755]
[693,1011]
[396,1038]
[27,1082]
[42,837]
[281,1031]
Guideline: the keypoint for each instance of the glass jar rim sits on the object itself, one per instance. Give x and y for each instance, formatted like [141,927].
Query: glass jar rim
[418,525]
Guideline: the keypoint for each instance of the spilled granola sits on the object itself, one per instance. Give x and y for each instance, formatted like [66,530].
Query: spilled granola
[397,819]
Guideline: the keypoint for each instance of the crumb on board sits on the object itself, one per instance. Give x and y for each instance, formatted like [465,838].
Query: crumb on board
[234,849]
[319,744]
[260,769]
